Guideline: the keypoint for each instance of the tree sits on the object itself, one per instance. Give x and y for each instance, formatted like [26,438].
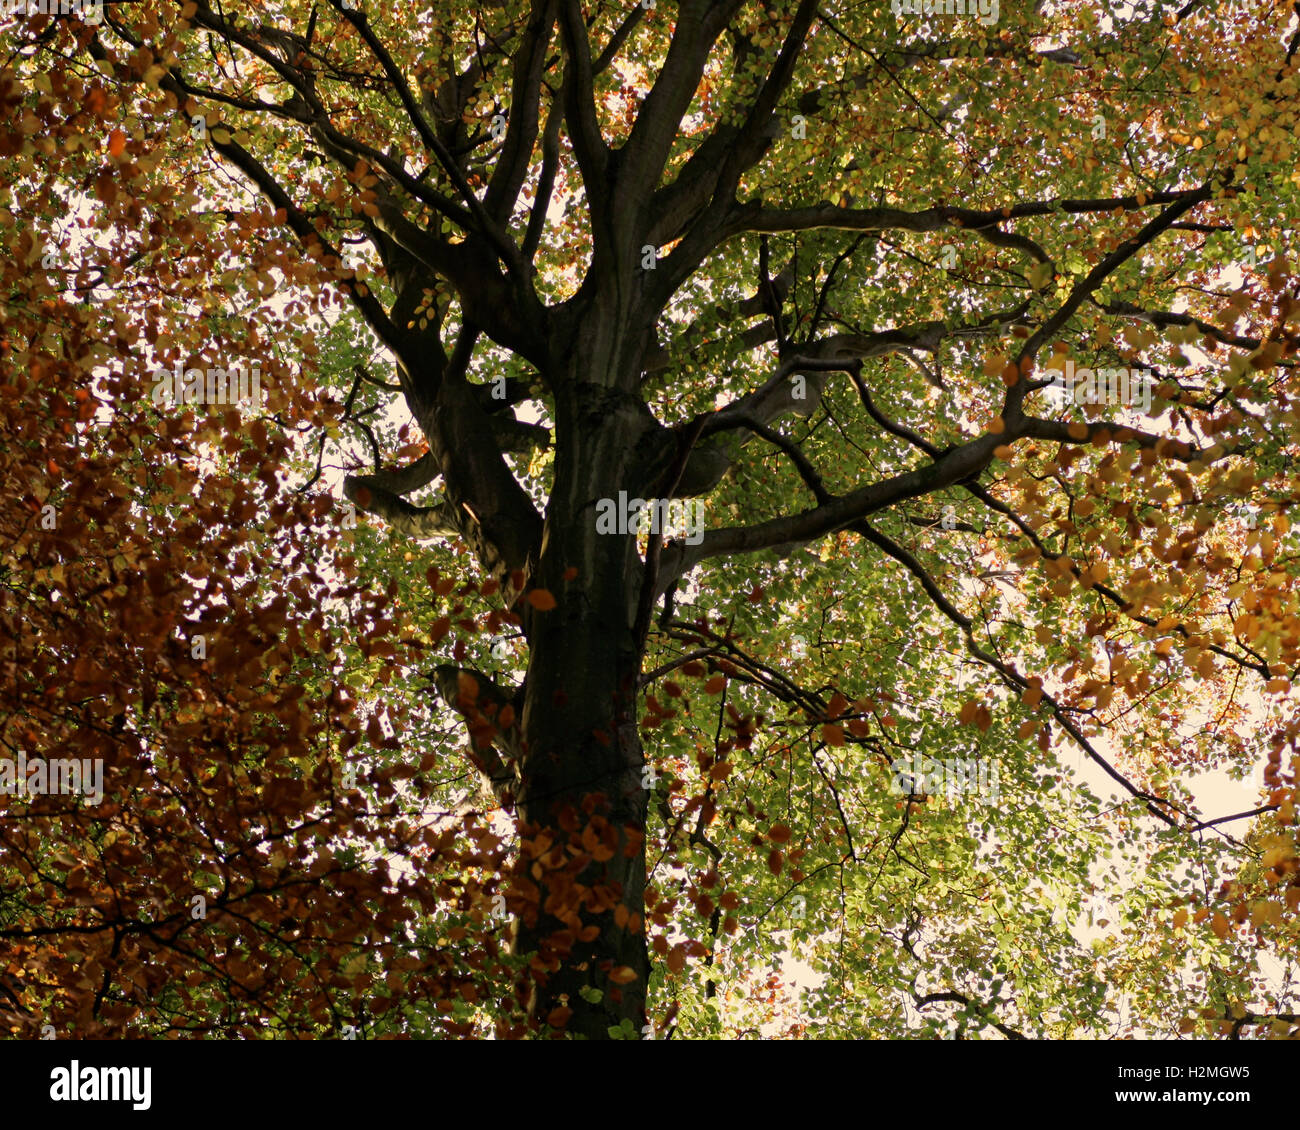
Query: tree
[809,427]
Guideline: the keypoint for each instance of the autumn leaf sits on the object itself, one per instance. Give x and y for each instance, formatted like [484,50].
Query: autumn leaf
[541,599]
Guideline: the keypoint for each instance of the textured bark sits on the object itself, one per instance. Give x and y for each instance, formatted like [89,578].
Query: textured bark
[582,787]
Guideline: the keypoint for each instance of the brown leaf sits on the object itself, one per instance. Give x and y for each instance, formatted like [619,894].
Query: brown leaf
[541,599]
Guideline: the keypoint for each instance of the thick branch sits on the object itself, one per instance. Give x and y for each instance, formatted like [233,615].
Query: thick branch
[495,747]
[418,522]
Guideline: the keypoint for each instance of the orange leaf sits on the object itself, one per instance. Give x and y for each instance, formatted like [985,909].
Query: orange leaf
[541,599]
[622,975]
[116,143]
[833,734]
[716,685]
[775,861]
[778,833]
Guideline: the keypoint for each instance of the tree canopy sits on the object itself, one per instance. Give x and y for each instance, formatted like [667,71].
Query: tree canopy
[735,518]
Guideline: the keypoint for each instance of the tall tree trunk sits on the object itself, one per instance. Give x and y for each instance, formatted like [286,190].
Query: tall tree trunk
[583,794]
